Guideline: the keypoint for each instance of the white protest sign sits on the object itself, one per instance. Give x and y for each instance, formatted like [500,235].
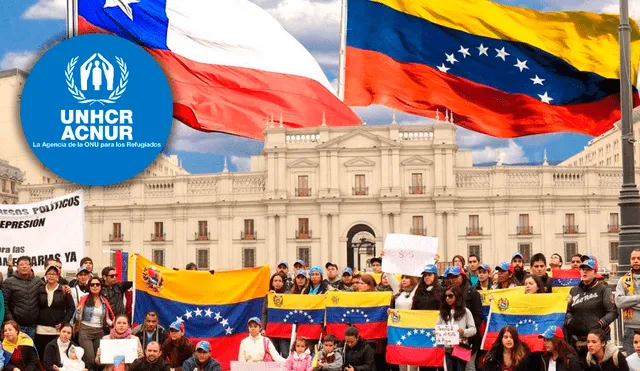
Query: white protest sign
[111,348]
[447,335]
[256,366]
[408,254]
[51,228]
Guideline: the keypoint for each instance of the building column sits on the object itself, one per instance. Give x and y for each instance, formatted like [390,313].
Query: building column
[338,255]
[96,238]
[264,258]
[282,240]
[451,241]
[335,171]
[593,234]
[440,234]
[384,167]
[179,251]
[385,225]
[396,168]
[325,253]
[228,256]
[547,231]
[323,172]
[396,224]
[271,172]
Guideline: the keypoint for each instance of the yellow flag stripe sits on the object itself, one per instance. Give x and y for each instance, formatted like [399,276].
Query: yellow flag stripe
[292,301]
[413,318]
[358,299]
[528,304]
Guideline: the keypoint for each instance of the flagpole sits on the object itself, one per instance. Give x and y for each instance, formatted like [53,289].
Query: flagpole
[629,237]
[343,49]
[72,18]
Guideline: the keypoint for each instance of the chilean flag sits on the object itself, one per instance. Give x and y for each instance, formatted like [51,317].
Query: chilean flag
[229,63]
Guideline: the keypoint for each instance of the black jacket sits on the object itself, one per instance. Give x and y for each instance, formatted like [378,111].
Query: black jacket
[561,364]
[142,364]
[608,364]
[60,311]
[592,306]
[360,357]
[519,275]
[159,335]
[115,295]
[428,299]
[493,362]
[21,299]
[546,281]
[51,356]
[24,358]
[473,302]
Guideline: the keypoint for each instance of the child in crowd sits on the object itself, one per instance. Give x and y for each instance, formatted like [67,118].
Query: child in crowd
[329,359]
[634,360]
[300,357]
[73,361]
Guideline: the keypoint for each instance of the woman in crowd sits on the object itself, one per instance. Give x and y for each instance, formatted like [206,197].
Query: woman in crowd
[121,330]
[533,285]
[506,280]
[367,283]
[404,291]
[177,348]
[453,311]
[458,261]
[93,316]
[56,308]
[603,355]
[257,348]
[24,356]
[384,283]
[317,285]
[56,350]
[276,286]
[300,282]
[559,355]
[427,295]
[508,353]
[484,278]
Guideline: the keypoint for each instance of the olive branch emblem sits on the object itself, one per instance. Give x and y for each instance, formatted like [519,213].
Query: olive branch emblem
[115,94]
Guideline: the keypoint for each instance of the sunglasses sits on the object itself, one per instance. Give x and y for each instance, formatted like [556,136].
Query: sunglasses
[95,285]
[449,296]
[112,275]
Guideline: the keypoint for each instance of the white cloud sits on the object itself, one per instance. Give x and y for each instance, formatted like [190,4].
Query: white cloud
[513,154]
[243,164]
[23,60]
[184,138]
[468,139]
[47,9]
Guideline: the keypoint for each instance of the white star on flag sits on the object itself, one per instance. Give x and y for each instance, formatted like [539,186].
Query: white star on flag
[483,50]
[451,58]
[179,319]
[402,337]
[545,97]
[217,316]
[421,332]
[415,331]
[537,80]
[443,68]
[464,51]
[228,330]
[502,54]
[399,342]
[208,312]
[198,312]
[188,315]
[124,5]
[521,65]
[224,322]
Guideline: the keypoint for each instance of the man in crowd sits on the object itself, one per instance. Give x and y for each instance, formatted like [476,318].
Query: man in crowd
[150,330]
[357,354]
[539,268]
[80,285]
[347,280]
[298,265]
[87,263]
[201,360]
[332,275]
[177,348]
[152,360]
[474,263]
[114,290]
[517,260]
[191,267]
[21,292]
[283,269]
[628,299]
[376,265]
[576,260]
[555,262]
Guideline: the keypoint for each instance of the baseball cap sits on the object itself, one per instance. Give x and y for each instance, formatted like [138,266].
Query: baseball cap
[330,264]
[50,266]
[446,271]
[256,320]
[348,271]
[300,272]
[430,268]
[586,257]
[589,264]
[82,269]
[301,262]
[177,325]
[485,267]
[455,271]
[551,332]
[376,259]
[315,268]
[284,262]
[517,255]
[204,345]
[504,266]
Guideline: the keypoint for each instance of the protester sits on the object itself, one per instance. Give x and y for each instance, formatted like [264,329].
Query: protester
[87,262]
[56,350]
[300,282]
[20,346]
[376,265]
[384,283]
[190,267]
[454,312]
[316,284]
[508,353]
[628,299]
[80,285]
[152,360]
[58,264]
[177,348]
[300,357]
[539,268]
[506,278]
[347,280]
[357,354]
[201,360]
[517,260]
[55,307]
[283,269]
[150,330]
[559,355]
[576,260]
[120,330]
[484,278]
[21,294]
[332,280]
[634,359]
[114,290]
[329,358]
[298,265]
[427,295]
[367,283]
[257,348]
[474,264]
[276,286]
[555,262]
[404,292]
[533,285]
[603,355]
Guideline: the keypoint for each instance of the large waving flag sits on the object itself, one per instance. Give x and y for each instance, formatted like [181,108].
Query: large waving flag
[367,311]
[284,310]
[214,307]
[229,63]
[530,314]
[505,71]
[412,340]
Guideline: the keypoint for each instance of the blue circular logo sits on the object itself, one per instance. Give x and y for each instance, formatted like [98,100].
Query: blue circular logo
[96,110]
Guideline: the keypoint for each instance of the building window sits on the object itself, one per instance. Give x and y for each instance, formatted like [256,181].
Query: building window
[525,250]
[416,187]
[116,236]
[203,231]
[202,258]
[360,188]
[158,256]
[158,231]
[249,232]
[475,250]
[474,226]
[13,188]
[570,226]
[614,223]
[4,186]
[613,251]
[304,254]
[303,231]
[615,145]
[112,258]
[570,248]
[303,189]
[417,226]
[248,258]
[523,224]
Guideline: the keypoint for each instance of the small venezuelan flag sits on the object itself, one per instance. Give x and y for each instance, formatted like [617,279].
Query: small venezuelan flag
[283,310]
[412,340]
[367,311]
[124,266]
[565,277]
[213,307]
[530,314]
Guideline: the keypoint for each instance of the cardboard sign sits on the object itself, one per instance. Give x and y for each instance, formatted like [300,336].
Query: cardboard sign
[408,254]
[447,335]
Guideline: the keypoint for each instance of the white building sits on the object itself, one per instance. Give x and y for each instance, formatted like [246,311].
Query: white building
[316,193]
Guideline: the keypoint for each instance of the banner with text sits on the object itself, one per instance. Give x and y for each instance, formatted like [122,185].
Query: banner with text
[52,228]
[408,254]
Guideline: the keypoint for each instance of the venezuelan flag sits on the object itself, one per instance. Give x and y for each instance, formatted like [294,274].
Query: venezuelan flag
[124,266]
[486,296]
[530,314]
[505,71]
[367,311]
[283,310]
[412,340]
[214,307]
[565,277]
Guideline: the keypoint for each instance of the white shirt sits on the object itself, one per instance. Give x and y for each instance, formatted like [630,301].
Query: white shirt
[634,362]
[552,365]
[252,350]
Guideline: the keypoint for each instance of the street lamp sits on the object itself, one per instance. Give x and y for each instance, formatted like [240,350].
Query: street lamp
[364,247]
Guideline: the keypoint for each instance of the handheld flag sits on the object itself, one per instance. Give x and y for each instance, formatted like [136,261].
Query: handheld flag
[283,310]
[367,311]
[412,340]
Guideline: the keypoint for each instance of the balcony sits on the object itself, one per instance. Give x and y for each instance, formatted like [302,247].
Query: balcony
[570,229]
[474,231]
[304,235]
[206,236]
[613,228]
[360,191]
[417,190]
[524,229]
[251,235]
[116,237]
[158,237]
[418,231]
[303,192]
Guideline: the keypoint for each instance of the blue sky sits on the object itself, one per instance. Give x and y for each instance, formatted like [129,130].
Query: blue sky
[27,25]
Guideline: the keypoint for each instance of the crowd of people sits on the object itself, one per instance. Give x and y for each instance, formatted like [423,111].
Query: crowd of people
[56,325]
